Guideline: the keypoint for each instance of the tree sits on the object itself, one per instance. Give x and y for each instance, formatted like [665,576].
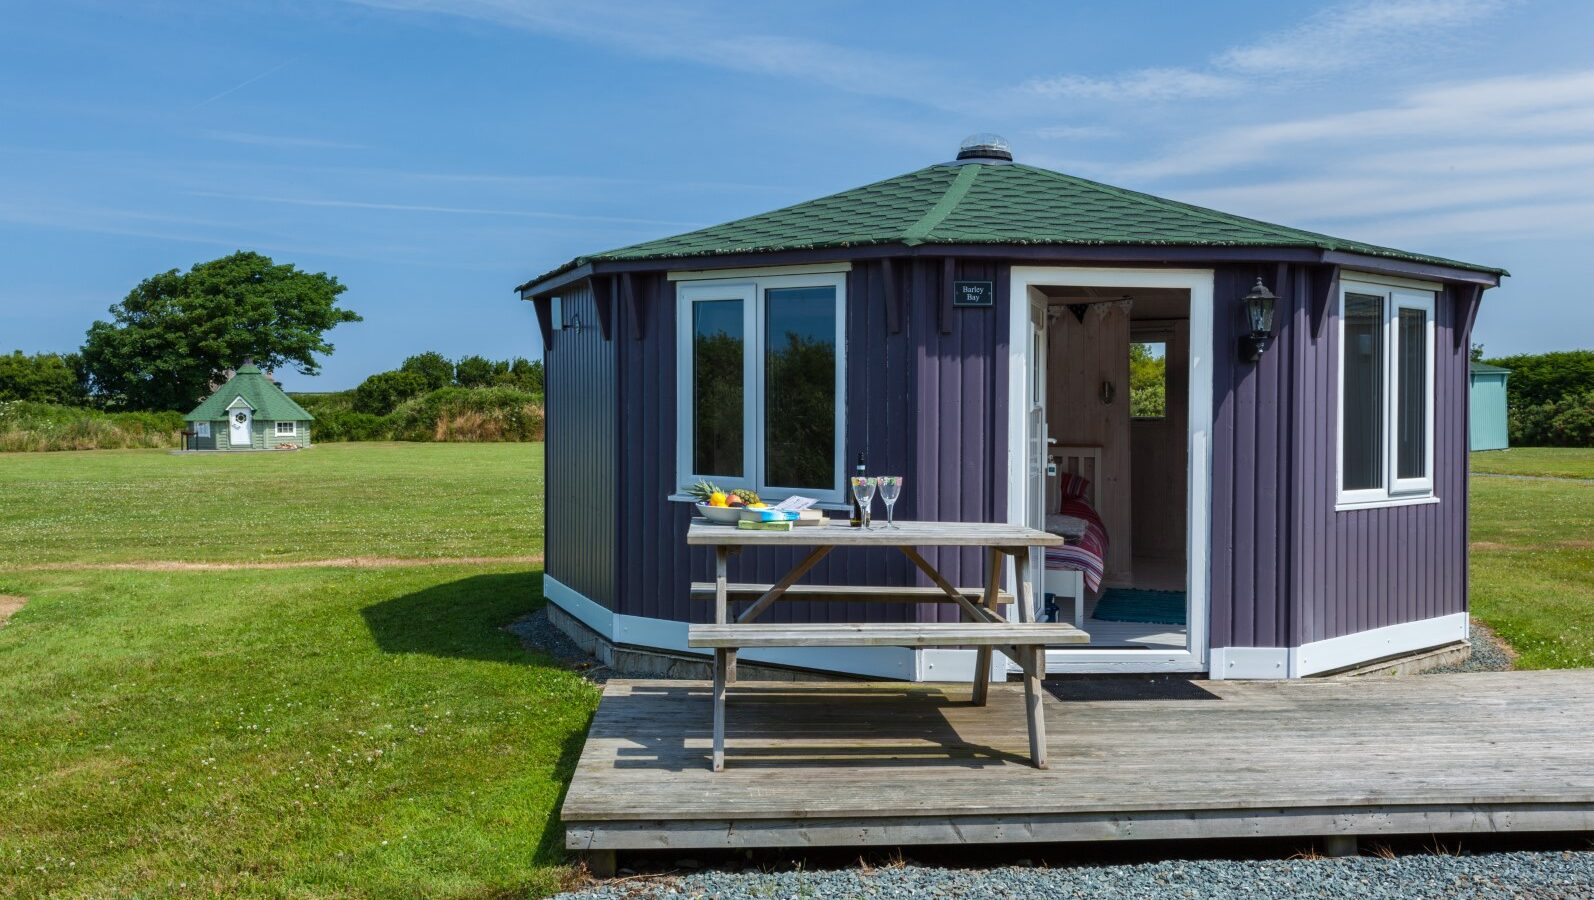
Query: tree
[479,371]
[526,375]
[171,337]
[432,367]
[42,377]
[1540,378]
[381,393]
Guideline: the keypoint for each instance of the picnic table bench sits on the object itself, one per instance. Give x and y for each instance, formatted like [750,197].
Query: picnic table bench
[983,626]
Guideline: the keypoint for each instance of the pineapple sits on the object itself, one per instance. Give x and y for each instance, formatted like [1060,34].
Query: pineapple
[748,497]
[702,491]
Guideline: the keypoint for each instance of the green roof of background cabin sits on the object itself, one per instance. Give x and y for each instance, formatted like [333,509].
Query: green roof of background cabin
[261,393]
[1479,368]
[990,203]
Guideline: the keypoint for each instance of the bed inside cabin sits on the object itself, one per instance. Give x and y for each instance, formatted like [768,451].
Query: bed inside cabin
[1117,411]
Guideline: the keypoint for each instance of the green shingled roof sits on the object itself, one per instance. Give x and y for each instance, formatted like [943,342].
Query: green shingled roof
[261,393]
[990,204]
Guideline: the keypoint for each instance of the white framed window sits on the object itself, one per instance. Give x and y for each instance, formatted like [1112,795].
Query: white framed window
[287,429]
[760,383]
[202,429]
[1386,394]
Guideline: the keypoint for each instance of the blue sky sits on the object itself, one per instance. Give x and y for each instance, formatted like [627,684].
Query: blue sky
[434,153]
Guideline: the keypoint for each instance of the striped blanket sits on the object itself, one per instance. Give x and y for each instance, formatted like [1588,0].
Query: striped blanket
[1086,552]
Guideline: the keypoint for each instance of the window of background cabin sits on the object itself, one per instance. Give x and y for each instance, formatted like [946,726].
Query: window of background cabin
[287,429]
[1148,379]
[762,396]
[202,429]
[1386,389]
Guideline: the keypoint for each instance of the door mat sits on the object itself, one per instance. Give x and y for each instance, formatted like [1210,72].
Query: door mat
[1136,605]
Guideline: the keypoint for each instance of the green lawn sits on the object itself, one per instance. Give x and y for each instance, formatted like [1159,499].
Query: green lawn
[1533,555]
[335,500]
[1556,462]
[302,732]
[375,732]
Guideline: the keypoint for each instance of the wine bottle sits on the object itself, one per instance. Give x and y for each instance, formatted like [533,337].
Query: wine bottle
[857,510]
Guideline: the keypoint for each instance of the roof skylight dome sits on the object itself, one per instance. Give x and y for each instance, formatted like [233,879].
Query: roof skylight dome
[985,145]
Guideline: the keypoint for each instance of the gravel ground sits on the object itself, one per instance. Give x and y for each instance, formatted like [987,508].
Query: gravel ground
[1489,654]
[537,633]
[1560,874]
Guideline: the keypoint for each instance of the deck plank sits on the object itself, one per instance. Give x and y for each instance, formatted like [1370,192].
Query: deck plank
[1477,751]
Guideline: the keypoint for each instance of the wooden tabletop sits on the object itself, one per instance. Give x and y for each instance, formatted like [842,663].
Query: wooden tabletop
[906,534]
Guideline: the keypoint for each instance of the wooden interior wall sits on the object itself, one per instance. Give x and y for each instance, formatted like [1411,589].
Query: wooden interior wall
[1159,452]
[1082,357]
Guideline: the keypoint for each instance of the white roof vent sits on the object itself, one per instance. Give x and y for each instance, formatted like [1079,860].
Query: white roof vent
[985,146]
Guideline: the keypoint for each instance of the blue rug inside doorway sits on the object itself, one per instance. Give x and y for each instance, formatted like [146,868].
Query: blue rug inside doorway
[1136,605]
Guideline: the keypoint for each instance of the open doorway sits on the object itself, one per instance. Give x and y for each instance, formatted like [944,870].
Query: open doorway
[1124,425]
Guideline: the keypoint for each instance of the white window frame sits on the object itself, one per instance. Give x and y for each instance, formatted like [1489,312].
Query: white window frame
[202,429]
[293,429]
[1395,491]
[751,289]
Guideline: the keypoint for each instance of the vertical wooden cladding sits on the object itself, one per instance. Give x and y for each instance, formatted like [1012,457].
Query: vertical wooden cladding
[1287,568]
[919,403]
[582,501]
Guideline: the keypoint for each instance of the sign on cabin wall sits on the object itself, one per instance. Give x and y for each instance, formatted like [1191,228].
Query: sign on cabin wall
[973,293]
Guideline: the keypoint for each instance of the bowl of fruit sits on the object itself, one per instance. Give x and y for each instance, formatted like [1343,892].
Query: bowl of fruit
[723,507]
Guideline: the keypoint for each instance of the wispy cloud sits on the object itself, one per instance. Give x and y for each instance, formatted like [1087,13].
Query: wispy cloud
[285,142]
[1155,85]
[450,210]
[1075,132]
[241,85]
[1332,40]
[672,31]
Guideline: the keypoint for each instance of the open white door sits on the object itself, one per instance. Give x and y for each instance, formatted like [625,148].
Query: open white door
[1036,438]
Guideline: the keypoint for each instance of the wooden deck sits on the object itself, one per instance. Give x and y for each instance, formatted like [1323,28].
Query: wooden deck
[821,764]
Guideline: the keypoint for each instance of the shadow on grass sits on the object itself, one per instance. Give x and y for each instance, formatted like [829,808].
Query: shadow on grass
[461,619]
[465,619]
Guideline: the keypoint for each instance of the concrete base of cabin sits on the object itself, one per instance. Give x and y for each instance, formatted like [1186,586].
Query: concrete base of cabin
[1408,664]
[640,662]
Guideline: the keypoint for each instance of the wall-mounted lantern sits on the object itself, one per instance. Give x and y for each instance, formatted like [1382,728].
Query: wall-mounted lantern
[1259,304]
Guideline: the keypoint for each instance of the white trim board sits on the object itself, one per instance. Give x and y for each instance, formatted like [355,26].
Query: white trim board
[1199,284]
[897,663]
[1340,652]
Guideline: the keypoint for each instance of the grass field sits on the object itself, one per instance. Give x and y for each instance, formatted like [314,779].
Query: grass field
[325,731]
[317,731]
[1552,462]
[1533,553]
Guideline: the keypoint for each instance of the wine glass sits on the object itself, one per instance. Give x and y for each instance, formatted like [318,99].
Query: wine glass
[863,489]
[890,488]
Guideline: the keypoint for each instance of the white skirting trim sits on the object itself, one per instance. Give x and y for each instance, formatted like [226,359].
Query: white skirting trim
[1340,652]
[898,663]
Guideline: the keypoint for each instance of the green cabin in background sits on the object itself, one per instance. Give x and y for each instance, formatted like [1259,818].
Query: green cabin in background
[249,412]
[1487,421]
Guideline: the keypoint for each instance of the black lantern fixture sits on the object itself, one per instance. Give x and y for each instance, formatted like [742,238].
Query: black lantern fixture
[1259,305]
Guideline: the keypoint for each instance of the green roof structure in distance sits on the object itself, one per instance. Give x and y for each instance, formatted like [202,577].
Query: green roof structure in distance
[262,394]
[982,198]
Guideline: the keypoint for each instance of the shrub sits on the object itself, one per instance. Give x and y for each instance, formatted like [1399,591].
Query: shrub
[42,378]
[467,414]
[28,426]
[335,424]
[1566,422]
[383,392]
[1539,378]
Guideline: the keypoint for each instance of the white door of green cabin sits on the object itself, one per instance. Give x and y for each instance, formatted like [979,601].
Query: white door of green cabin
[238,433]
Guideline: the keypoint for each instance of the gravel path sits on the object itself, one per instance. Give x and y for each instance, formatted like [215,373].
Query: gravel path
[1489,653]
[1558,874]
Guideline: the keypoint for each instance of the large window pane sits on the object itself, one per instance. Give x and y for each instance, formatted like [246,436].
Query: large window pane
[1411,364]
[800,387]
[717,342]
[1363,358]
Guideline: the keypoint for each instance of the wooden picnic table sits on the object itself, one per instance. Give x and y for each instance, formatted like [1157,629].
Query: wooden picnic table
[983,626]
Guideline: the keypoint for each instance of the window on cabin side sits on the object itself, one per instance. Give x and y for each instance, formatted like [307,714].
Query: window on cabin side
[1386,394]
[761,386]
